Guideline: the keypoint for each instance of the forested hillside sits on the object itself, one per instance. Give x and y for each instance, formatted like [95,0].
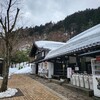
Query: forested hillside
[64,29]
[60,31]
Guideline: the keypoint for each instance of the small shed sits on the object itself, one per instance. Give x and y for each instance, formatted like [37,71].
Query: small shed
[1,66]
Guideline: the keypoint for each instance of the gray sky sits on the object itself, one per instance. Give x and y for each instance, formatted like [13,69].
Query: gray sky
[37,12]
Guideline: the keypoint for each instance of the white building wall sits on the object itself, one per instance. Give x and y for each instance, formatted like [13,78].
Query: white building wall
[40,67]
[33,66]
[50,69]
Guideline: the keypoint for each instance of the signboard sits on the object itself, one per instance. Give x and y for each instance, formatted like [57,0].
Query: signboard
[98,58]
[76,68]
[69,72]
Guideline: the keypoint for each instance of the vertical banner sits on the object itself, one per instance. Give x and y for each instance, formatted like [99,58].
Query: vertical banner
[69,72]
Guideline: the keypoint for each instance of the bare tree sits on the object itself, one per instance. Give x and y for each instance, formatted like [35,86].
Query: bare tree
[8,17]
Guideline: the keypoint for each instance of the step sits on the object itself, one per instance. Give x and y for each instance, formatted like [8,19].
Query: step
[84,91]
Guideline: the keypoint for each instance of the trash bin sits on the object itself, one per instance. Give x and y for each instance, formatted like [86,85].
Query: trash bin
[73,79]
[86,81]
[77,80]
[81,79]
[91,82]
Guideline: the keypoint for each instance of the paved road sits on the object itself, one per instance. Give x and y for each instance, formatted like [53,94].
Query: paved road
[32,89]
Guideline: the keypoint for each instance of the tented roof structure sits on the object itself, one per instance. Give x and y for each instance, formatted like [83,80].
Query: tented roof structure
[86,39]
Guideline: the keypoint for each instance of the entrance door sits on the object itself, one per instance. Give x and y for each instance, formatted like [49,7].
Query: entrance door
[36,68]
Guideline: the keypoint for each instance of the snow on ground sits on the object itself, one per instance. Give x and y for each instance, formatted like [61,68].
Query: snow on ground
[23,69]
[8,93]
[12,71]
[19,69]
[1,78]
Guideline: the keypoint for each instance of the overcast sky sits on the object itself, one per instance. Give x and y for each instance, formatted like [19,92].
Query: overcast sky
[37,12]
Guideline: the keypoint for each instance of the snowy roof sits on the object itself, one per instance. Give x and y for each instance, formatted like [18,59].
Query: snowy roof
[49,44]
[88,38]
[1,59]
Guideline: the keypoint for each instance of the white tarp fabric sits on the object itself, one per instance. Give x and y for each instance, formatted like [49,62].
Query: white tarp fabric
[88,38]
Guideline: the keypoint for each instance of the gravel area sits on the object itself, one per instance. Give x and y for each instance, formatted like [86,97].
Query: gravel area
[68,93]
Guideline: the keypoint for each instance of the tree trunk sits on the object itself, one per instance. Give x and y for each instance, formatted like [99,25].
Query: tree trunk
[5,78]
[7,25]
[5,70]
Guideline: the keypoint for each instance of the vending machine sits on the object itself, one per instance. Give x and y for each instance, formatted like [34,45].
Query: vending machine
[95,64]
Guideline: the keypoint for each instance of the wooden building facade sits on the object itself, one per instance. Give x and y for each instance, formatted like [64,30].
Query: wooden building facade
[76,53]
[39,54]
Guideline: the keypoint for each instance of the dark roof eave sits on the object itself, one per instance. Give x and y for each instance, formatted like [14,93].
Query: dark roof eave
[77,51]
[33,50]
[90,53]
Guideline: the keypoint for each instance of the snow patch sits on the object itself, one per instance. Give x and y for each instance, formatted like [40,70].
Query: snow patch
[24,70]
[1,78]
[21,69]
[12,71]
[8,93]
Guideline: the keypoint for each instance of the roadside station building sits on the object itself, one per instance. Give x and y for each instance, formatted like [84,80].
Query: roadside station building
[72,60]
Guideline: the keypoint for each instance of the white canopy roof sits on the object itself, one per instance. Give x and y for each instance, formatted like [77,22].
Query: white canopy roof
[49,44]
[88,38]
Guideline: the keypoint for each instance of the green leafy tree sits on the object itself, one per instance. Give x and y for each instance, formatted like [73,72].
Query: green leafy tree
[20,56]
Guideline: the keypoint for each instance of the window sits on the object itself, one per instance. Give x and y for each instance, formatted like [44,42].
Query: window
[43,54]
